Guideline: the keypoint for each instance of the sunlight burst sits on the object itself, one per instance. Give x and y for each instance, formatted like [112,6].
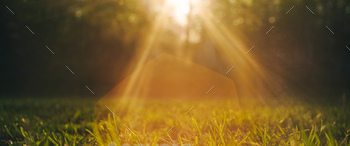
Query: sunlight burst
[179,9]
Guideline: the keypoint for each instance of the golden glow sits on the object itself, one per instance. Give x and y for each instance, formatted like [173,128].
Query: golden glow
[130,93]
[235,53]
[179,9]
[228,44]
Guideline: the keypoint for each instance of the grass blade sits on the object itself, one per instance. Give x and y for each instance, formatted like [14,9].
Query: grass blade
[52,141]
[8,131]
[243,140]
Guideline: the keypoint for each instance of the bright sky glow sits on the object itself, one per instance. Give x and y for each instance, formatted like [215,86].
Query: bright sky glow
[179,10]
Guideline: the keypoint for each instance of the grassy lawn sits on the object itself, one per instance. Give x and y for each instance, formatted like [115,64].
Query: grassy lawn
[34,121]
[65,121]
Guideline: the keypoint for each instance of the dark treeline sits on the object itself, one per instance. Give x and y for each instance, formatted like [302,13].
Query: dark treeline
[92,38]
[97,39]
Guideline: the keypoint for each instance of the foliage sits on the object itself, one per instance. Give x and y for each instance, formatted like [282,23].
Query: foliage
[101,36]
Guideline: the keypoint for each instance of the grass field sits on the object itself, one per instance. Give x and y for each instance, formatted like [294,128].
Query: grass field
[65,121]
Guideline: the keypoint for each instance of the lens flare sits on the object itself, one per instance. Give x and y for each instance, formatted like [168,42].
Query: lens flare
[230,47]
[179,10]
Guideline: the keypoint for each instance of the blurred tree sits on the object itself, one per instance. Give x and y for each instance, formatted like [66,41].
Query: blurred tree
[94,38]
[97,39]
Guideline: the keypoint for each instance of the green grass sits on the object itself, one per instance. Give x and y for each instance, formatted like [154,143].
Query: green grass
[34,121]
[72,122]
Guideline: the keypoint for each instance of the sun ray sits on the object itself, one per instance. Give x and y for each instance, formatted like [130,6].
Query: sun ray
[128,95]
[248,70]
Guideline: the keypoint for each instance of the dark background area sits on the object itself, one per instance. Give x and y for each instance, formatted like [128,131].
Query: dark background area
[97,39]
[94,46]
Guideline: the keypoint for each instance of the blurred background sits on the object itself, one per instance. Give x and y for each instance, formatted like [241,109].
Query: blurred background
[98,41]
